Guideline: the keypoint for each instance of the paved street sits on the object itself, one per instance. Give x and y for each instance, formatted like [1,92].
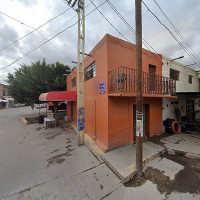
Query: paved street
[38,164]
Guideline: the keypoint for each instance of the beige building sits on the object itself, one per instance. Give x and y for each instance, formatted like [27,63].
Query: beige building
[5,100]
[187,105]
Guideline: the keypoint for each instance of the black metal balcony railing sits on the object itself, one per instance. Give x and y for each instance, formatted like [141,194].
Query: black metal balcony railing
[123,79]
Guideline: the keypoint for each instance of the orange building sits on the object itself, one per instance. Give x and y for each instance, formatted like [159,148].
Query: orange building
[110,93]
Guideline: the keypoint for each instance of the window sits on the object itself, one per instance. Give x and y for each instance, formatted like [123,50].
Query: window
[90,71]
[190,79]
[73,82]
[174,74]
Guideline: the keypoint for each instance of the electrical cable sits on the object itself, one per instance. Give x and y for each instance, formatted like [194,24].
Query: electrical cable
[177,31]
[50,38]
[134,33]
[132,29]
[30,28]
[185,49]
[34,30]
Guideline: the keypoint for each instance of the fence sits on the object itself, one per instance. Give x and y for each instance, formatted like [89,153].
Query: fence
[123,79]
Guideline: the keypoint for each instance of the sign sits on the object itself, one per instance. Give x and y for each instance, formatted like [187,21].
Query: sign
[81,119]
[102,87]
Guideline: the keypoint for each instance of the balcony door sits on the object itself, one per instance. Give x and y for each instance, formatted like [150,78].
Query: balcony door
[152,79]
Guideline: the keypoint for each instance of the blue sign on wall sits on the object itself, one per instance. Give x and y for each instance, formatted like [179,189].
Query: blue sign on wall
[102,87]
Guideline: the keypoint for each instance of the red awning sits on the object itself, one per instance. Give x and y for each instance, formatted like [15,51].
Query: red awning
[59,96]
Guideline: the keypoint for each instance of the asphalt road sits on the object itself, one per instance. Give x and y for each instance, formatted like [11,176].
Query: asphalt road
[38,163]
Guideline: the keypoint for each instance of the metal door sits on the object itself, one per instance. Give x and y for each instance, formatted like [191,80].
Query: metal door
[190,110]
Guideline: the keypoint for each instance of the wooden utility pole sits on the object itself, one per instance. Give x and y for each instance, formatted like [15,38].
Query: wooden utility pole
[139,90]
[80,71]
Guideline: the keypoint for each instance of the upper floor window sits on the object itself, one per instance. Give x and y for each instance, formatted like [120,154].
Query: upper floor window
[174,74]
[90,71]
[190,79]
[73,82]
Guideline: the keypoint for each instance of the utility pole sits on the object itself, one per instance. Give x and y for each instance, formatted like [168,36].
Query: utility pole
[80,71]
[139,90]
[80,67]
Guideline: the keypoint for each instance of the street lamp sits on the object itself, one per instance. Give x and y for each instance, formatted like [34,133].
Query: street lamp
[176,58]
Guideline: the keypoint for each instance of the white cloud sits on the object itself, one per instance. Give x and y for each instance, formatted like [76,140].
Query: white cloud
[184,14]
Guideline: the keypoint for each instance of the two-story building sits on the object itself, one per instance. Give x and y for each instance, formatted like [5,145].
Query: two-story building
[110,93]
[187,105]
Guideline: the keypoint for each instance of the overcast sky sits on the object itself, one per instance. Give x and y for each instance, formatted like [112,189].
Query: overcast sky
[183,13]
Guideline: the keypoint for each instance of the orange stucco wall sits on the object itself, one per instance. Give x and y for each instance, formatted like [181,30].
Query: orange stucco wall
[120,129]
[109,120]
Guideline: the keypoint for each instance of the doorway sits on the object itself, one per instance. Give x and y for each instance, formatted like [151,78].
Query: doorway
[152,80]
[189,110]
[146,118]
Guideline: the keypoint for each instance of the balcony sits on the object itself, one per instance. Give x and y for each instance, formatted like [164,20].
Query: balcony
[122,80]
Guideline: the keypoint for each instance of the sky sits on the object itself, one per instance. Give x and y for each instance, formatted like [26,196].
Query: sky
[184,14]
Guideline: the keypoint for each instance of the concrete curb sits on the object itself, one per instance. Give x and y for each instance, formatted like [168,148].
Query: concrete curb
[186,154]
[74,127]
[23,119]
[90,143]
[125,178]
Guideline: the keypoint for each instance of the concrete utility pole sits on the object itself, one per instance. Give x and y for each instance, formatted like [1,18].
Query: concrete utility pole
[80,72]
[139,91]
[80,67]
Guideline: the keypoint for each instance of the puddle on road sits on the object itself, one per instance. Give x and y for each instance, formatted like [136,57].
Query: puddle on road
[186,180]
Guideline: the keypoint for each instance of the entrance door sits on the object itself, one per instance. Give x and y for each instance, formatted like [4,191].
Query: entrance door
[145,121]
[190,110]
[152,81]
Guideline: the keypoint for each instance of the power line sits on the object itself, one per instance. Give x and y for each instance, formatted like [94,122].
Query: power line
[130,27]
[39,45]
[67,21]
[185,49]
[34,29]
[30,28]
[110,22]
[118,30]
[177,31]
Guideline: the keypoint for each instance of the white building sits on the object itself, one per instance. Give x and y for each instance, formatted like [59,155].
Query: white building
[187,105]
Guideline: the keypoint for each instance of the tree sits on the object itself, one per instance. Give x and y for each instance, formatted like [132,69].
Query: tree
[28,82]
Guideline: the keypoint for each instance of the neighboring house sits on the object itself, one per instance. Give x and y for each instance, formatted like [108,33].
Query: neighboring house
[110,93]
[5,100]
[187,106]
[3,90]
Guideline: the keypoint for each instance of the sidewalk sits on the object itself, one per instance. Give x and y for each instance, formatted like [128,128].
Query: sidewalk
[123,160]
